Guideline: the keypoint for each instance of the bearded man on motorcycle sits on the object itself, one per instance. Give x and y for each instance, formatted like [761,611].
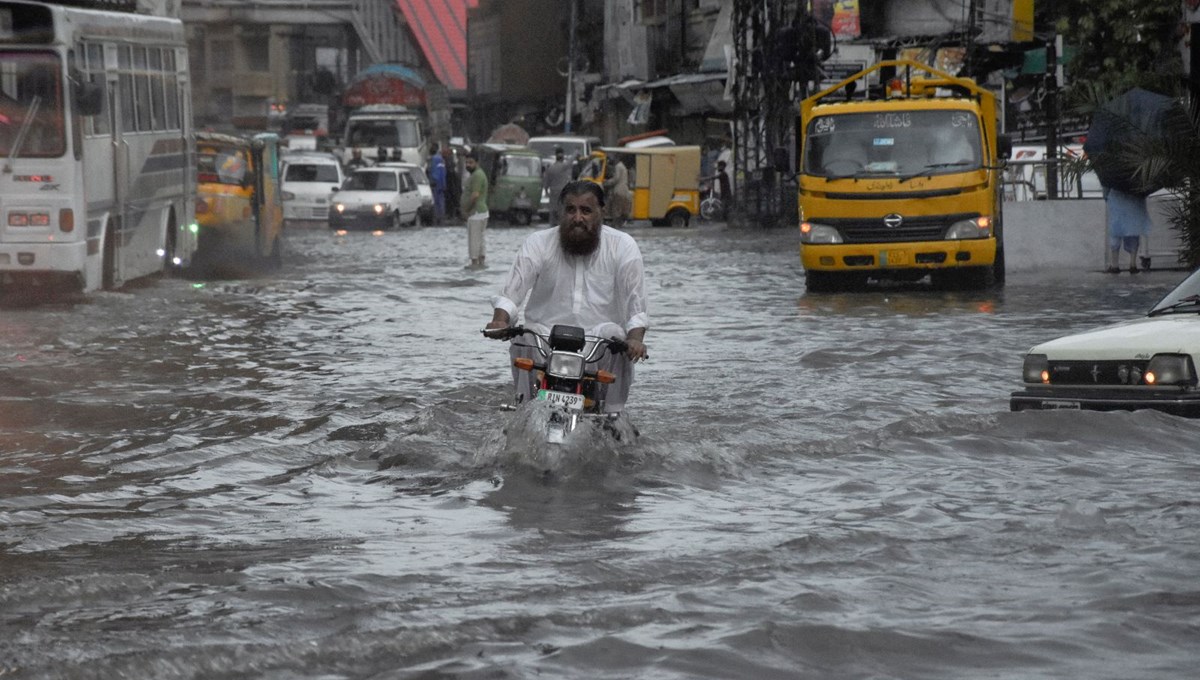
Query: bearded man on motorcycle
[581,273]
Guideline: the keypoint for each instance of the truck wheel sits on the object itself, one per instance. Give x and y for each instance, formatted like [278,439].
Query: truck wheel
[820,282]
[678,218]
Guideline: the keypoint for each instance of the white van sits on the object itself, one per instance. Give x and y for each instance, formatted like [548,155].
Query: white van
[308,181]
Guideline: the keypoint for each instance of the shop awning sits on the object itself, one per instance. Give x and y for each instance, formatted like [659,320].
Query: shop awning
[440,27]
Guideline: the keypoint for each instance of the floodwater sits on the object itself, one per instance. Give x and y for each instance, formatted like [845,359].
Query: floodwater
[310,475]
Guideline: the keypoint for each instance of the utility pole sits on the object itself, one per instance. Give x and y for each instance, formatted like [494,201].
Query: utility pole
[1052,117]
[571,59]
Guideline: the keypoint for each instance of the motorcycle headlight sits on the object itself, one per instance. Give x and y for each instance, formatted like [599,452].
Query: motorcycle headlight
[1036,369]
[818,233]
[980,227]
[1170,369]
[379,208]
[564,365]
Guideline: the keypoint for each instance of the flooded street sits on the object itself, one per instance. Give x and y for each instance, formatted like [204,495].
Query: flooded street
[308,475]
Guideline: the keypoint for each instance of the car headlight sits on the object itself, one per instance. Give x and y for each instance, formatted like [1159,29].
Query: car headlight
[1170,369]
[340,207]
[288,196]
[818,233]
[565,365]
[980,227]
[379,208]
[1036,369]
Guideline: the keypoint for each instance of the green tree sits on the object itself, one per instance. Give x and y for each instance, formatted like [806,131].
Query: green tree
[1121,44]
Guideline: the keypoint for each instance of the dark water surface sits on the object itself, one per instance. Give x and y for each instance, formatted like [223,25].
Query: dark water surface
[306,475]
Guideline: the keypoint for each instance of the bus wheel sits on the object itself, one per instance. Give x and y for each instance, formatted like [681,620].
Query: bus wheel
[678,218]
[108,267]
[170,242]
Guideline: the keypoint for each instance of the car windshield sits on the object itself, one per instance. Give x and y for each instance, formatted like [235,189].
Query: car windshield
[31,105]
[311,172]
[904,143]
[371,180]
[545,148]
[389,133]
[1183,298]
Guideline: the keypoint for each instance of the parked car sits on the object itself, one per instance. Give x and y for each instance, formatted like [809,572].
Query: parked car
[425,216]
[309,180]
[1147,363]
[376,198]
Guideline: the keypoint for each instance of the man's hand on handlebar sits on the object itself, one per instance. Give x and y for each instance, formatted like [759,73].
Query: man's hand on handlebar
[635,350]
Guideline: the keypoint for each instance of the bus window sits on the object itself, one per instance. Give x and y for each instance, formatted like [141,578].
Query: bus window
[31,97]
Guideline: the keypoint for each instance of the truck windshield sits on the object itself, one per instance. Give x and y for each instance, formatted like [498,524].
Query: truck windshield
[389,133]
[901,143]
[31,101]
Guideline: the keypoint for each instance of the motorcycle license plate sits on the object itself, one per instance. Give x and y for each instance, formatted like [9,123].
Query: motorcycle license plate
[571,402]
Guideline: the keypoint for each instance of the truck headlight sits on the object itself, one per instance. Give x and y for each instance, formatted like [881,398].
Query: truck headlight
[1170,369]
[1036,369]
[818,233]
[980,227]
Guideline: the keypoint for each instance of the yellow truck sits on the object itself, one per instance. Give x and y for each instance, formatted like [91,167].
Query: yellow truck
[902,183]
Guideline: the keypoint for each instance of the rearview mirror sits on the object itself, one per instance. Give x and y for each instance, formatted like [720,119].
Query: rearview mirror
[89,97]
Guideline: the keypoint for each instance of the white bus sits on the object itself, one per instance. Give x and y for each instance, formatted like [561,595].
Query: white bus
[97,185]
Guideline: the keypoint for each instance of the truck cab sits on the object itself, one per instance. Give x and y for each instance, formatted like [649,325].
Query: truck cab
[903,183]
[397,131]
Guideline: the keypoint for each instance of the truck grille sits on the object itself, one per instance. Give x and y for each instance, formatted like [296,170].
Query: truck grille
[873,230]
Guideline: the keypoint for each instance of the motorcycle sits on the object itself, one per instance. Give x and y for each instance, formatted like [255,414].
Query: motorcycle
[566,380]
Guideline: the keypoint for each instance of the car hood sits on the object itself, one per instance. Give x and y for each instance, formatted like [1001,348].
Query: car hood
[356,198]
[1141,338]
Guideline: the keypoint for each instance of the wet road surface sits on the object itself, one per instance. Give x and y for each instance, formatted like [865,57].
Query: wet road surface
[308,475]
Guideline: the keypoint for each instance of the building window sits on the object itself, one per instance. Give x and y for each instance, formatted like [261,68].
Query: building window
[653,11]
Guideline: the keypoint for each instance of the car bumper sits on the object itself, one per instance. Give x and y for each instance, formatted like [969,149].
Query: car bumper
[1168,400]
[306,211]
[357,220]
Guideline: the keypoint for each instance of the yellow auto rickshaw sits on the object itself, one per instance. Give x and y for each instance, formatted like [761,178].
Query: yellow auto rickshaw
[239,204]
[664,181]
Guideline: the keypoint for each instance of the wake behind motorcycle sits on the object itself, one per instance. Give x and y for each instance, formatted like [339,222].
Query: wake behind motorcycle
[564,376]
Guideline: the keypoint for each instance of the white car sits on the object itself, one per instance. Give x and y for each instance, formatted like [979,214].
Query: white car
[1148,363]
[308,182]
[423,185]
[376,198]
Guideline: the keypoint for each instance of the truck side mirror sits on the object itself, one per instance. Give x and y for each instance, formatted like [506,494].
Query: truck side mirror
[782,160]
[1003,147]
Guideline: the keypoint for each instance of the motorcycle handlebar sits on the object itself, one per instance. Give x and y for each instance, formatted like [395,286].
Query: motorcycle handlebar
[508,333]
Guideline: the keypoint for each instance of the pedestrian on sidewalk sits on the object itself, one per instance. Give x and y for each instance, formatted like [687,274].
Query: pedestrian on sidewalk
[475,210]
[557,175]
[1128,222]
[437,182]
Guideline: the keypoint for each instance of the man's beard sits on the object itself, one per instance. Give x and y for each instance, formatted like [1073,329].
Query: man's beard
[578,240]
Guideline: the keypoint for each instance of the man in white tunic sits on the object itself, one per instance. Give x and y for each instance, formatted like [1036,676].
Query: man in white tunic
[581,273]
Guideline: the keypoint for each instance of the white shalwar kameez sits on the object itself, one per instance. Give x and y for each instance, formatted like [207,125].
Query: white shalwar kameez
[603,293]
